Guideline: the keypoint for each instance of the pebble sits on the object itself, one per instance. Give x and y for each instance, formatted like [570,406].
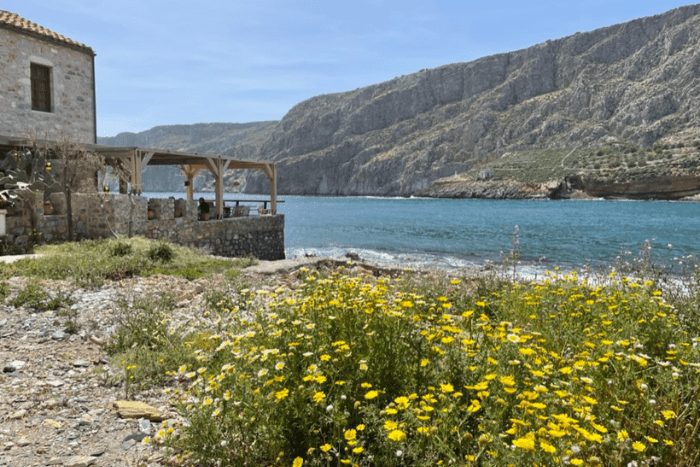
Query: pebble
[145,426]
[58,335]
[81,364]
[13,366]
[21,442]
[18,414]
[79,461]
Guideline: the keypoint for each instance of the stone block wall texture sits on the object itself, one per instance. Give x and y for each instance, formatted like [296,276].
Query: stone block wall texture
[103,216]
[72,114]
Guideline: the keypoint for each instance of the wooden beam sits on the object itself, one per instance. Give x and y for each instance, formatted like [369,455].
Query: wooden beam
[211,165]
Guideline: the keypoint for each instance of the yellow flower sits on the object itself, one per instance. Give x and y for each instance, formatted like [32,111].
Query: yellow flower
[638,446]
[390,425]
[350,435]
[446,388]
[396,435]
[527,442]
[622,435]
[358,450]
[369,395]
[546,447]
[282,394]
[326,447]
[298,462]
[576,461]
[424,362]
[668,414]
[474,406]
[402,402]
[507,380]
[325,357]
[360,427]
[318,397]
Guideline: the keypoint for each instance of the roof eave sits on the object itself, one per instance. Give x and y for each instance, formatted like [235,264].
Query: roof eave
[79,47]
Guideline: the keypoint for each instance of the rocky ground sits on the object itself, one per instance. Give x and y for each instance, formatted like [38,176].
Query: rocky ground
[57,389]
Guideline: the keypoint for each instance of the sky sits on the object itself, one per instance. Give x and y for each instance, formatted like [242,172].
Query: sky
[183,61]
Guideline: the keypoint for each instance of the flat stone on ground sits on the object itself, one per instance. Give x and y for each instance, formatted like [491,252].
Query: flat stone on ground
[136,409]
[79,461]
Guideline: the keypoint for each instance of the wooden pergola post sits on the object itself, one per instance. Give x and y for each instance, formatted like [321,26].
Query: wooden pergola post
[139,161]
[190,171]
[218,168]
[271,172]
[273,190]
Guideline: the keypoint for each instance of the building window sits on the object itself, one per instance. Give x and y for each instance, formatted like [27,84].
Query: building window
[41,87]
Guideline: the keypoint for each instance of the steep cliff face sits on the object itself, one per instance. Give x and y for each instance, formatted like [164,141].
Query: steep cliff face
[636,81]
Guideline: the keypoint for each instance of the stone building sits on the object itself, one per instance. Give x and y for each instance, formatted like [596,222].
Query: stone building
[47,83]
[47,98]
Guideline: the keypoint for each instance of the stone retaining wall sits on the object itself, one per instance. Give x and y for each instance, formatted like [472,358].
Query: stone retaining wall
[103,216]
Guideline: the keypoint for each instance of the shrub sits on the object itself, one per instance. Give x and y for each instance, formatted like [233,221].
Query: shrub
[358,370]
[121,248]
[161,252]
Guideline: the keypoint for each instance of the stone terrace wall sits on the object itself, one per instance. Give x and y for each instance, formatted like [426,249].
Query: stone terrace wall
[103,216]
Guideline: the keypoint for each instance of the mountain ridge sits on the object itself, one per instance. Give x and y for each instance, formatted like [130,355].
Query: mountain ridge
[633,82]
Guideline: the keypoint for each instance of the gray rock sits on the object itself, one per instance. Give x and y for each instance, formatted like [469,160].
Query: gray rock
[145,426]
[21,442]
[13,366]
[58,335]
[79,461]
[81,364]
[18,414]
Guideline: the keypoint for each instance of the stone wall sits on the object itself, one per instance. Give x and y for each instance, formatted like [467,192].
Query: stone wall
[73,113]
[103,216]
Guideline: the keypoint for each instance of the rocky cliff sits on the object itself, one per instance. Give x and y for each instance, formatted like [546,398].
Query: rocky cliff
[634,84]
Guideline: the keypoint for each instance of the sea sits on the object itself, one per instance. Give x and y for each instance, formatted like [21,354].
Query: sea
[467,233]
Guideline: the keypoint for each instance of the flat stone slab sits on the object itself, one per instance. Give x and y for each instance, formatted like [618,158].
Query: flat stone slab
[136,409]
[284,265]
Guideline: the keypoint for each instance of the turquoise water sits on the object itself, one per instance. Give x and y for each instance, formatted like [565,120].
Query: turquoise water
[455,233]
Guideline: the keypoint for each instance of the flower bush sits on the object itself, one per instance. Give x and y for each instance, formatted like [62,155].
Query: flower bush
[351,369]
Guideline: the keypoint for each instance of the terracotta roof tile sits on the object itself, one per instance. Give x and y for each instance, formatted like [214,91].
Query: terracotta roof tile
[16,22]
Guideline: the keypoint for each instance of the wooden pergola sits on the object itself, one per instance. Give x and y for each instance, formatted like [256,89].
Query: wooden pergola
[136,159]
